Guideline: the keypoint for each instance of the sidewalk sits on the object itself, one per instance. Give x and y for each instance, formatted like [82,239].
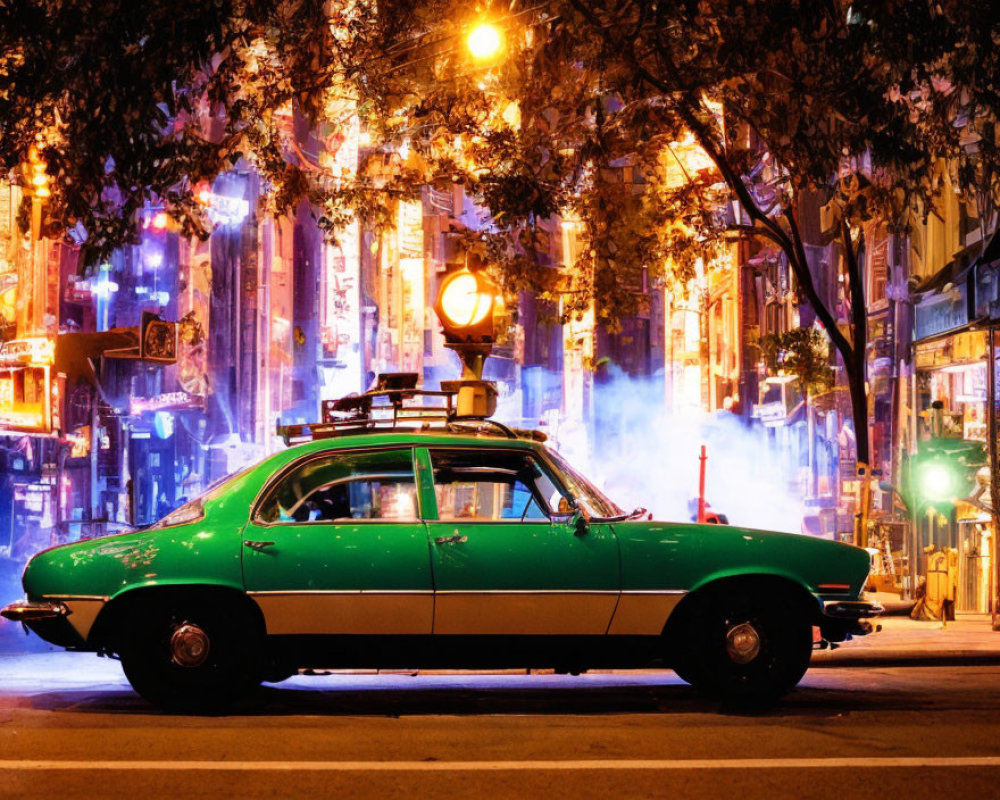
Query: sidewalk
[969,639]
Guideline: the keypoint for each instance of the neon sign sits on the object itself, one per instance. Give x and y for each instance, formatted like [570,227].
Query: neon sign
[38,350]
[162,402]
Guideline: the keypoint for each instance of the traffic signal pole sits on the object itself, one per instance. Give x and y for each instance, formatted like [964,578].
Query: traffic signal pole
[864,501]
[701,484]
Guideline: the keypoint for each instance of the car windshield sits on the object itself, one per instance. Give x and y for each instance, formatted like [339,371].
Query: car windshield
[590,498]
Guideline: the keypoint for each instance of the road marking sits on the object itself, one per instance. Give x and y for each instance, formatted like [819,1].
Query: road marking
[505,766]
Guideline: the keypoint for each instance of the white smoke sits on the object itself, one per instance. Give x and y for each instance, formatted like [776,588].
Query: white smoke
[641,454]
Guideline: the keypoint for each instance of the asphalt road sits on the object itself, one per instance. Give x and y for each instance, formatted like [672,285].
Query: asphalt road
[70,727]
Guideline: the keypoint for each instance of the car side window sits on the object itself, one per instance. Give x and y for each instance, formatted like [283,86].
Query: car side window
[344,486]
[491,486]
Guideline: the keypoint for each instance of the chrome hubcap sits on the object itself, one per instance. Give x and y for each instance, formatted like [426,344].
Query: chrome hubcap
[742,643]
[189,646]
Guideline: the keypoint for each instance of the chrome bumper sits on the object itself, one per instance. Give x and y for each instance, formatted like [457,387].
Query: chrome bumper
[843,619]
[25,611]
[851,609]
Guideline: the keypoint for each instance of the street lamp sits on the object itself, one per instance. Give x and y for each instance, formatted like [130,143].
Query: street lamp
[485,41]
[466,305]
[40,182]
[38,179]
[40,192]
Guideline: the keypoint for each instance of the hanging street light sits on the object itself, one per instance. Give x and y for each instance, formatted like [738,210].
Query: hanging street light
[485,41]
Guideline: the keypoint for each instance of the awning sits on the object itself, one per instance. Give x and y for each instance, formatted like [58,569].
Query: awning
[954,272]
[986,286]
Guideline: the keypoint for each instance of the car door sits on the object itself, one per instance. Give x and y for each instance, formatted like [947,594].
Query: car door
[502,565]
[336,546]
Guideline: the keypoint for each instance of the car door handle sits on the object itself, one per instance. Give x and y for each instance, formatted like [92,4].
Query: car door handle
[255,545]
[453,539]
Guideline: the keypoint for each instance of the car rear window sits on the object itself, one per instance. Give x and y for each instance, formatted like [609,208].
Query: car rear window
[343,486]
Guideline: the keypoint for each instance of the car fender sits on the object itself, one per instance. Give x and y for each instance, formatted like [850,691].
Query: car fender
[95,576]
[113,612]
[764,575]
[750,573]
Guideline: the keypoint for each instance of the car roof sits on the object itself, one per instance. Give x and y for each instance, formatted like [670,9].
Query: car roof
[414,438]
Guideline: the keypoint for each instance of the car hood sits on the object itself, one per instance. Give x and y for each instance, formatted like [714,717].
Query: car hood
[695,554]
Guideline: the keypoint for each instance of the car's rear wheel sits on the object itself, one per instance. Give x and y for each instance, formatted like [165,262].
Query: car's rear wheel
[190,656]
[743,646]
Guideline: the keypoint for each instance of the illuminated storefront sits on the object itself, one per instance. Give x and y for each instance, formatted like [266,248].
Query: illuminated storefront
[951,398]
[29,390]
[29,407]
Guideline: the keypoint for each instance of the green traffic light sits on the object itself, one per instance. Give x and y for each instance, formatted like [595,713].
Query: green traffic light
[942,472]
[937,482]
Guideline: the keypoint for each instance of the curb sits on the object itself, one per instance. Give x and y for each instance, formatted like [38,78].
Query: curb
[905,658]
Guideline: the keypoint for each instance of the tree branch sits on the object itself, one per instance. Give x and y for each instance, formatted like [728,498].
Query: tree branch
[804,277]
[789,241]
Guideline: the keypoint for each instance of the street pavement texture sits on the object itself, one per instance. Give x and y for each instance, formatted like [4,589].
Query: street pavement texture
[913,711]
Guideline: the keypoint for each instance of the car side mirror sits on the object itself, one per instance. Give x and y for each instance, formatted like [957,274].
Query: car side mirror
[574,519]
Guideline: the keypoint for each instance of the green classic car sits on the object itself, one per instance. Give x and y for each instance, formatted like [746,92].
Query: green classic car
[471,546]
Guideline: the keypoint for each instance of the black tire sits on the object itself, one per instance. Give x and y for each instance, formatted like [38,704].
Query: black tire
[198,656]
[743,646]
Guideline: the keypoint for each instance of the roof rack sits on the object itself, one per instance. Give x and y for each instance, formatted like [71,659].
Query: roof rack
[386,408]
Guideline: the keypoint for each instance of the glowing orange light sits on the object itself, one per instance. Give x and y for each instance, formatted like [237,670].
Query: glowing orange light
[484,42]
[462,300]
[160,220]
[39,174]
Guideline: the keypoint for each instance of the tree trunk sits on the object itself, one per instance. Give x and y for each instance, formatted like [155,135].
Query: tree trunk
[852,352]
[859,323]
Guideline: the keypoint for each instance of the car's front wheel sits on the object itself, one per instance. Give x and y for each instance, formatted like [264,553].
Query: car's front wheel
[742,645]
[197,657]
